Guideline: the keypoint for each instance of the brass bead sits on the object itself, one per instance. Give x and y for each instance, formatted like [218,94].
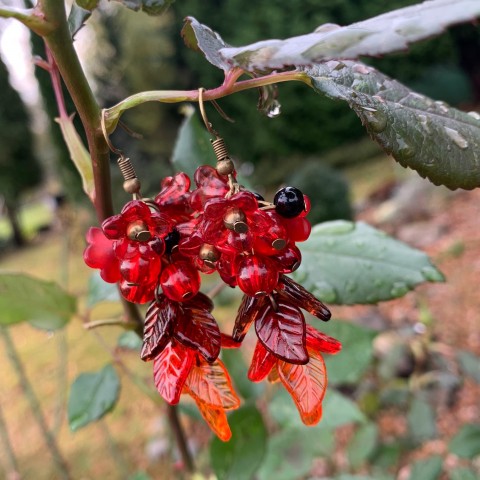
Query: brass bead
[225,166]
[138,231]
[208,253]
[279,244]
[132,185]
[235,220]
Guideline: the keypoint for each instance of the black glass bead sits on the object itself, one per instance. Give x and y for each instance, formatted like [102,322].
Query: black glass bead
[171,241]
[289,202]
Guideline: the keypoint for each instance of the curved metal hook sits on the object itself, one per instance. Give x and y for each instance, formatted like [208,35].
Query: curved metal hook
[107,137]
[203,113]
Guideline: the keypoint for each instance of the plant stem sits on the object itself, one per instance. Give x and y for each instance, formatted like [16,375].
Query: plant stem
[60,44]
[16,362]
[180,437]
[12,465]
[112,115]
[29,17]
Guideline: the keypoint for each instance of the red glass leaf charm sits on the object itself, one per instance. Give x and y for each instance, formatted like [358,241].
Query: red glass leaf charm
[211,384]
[229,342]
[170,370]
[282,331]
[322,343]
[200,301]
[247,312]
[273,376]
[198,330]
[262,363]
[302,298]
[306,384]
[158,327]
[216,419]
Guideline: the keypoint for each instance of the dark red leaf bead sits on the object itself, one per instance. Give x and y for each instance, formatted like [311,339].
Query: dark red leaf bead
[228,342]
[281,329]
[100,254]
[138,293]
[289,259]
[180,281]
[262,363]
[198,330]
[247,312]
[256,275]
[159,322]
[302,298]
[322,343]
[200,301]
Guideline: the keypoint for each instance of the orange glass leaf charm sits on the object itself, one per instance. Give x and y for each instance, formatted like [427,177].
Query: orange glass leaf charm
[273,376]
[262,363]
[322,343]
[282,331]
[211,384]
[216,419]
[306,384]
[170,370]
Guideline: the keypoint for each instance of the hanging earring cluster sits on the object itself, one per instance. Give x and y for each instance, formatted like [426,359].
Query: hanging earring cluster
[157,249]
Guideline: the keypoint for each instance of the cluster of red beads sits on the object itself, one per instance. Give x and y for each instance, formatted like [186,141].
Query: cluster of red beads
[156,250]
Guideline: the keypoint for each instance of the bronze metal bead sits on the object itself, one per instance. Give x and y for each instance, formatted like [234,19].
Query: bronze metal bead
[225,166]
[132,185]
[235,220]
[209,253]
[138,231]
[279,244]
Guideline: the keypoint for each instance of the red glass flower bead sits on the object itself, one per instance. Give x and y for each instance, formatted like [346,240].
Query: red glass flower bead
[174,196]
[256,275]
[269,234]
[136,222]
[99,254]
[138,293]
[210,184]
[281,328]
[143,268]
[298,228]
[289,258]
[180,281]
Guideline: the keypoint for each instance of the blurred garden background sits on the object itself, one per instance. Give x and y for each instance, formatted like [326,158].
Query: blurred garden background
[404,402]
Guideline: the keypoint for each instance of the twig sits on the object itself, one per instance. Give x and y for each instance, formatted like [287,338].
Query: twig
[16,362]
[109,322]
[12,467]
[180,437]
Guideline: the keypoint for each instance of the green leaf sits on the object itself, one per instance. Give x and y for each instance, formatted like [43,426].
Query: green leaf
[27,299]
[240,457]
[92,395]
[438,141]
[466,443]
[387,455]
[338,410]
[77,17]
[78,154]
[387,33]
[346,263]
[237,368]
[362,445]
[462,473]
[348,366]
[470,364]
[421,420]
[429,469]
[193,146]
[101,291]
[130,340]
[151,7]
[291,451]
[87,4]
[203,39]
